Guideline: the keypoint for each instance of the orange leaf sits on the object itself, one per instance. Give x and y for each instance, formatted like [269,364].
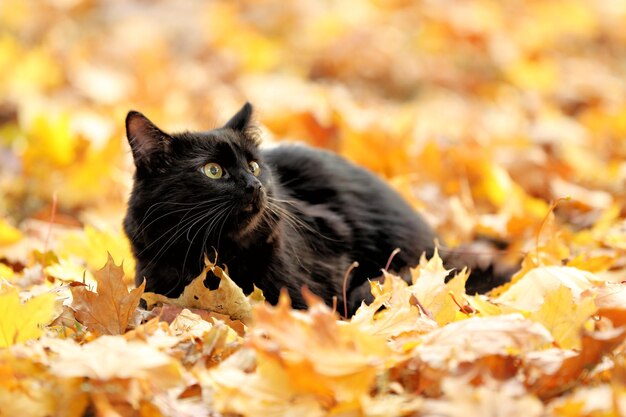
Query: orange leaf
[108,310]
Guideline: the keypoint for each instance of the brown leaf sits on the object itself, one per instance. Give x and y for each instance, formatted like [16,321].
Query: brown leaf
[108,310]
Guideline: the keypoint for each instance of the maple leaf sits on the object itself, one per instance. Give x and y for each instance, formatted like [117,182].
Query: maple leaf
[529,292]
[400,314]
[564,316]
[109,310]
[430,288]
[23,321]
[227,299]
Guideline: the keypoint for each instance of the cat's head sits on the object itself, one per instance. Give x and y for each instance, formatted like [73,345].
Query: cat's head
[214,180]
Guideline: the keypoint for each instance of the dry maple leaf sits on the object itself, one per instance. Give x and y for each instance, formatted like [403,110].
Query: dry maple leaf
[109,310]
[227,299]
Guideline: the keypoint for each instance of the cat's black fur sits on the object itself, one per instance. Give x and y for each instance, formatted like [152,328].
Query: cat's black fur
[302,221]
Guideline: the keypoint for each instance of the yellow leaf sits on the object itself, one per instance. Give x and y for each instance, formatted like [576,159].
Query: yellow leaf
[67,270]
[431,290]
[23,391]
[6,272]
[564,316]
[539,74]
[93,245]
[50,143]
[8,233]
[227,299]
[399,315]
[23,321]
[266,392]
[529,292]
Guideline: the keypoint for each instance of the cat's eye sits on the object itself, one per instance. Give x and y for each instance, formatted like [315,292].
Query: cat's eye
[255,168]
[213,170]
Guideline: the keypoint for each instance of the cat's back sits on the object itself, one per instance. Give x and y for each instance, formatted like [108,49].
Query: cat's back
[379,218]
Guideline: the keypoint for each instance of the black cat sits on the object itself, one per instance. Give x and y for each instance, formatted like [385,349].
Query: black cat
[287,216]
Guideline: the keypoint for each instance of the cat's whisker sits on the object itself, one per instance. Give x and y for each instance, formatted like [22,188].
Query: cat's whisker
[219,207]
[206,224]
[181,227]
[187,228]
[297,222]
[219,235]
[168,233]
[195,205]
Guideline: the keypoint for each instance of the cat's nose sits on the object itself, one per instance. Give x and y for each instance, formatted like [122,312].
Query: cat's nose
[253,188]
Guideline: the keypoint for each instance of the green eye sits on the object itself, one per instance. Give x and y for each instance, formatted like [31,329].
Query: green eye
[212,170]
[255,168]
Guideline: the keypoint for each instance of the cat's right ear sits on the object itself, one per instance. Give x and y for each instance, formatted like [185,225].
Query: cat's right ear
[147,142]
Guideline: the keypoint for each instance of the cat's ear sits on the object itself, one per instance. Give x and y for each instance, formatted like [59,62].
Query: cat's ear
[146,140]
[241,120]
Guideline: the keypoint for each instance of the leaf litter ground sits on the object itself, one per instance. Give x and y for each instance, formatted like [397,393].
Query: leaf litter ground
[500,122]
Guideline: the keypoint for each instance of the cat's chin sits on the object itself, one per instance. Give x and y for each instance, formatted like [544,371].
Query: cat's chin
[249,219]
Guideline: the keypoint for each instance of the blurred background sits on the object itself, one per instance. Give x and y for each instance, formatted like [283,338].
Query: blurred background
[482,113]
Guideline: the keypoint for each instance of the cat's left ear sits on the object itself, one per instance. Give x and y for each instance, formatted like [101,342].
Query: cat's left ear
[241,120]
[147,142]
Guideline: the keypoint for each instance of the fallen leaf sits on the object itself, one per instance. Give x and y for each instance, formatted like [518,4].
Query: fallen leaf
[550,375]
[227,299]
[433,292]
[24,321]
[461,399]
[111,357]
[393,311]
[471,339]
[8,233]
[530,291]
[109,310]
[564,316]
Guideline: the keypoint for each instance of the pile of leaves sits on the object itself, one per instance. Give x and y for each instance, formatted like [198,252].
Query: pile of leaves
[504,123]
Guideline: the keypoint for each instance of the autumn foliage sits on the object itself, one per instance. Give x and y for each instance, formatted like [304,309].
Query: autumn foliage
[504,123]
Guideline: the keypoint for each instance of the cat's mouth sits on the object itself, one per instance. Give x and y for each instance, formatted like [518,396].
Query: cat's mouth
[255,204]
[251,208]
